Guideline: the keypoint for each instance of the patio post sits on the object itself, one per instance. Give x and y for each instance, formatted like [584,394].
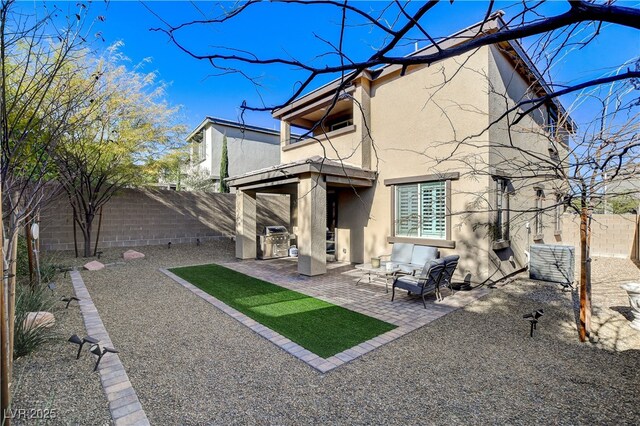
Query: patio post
[245,224]
[312,224]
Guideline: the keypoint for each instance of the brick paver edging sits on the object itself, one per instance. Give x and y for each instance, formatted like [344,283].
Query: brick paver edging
[124,405]
[321,364]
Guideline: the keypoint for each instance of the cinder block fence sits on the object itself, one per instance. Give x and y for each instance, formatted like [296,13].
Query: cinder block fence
[138,217]
[613,235]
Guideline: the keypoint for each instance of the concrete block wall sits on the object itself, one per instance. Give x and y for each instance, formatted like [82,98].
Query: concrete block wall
[138,217]
[613,235]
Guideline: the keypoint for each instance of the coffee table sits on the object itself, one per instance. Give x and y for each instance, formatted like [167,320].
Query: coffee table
[381,272]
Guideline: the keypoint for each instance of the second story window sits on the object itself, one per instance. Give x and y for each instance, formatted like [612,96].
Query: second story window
[341,124]
[552,113]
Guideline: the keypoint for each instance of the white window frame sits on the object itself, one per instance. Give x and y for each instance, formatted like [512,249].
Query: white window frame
[558,212]
[341,124]
[539,226]
[502,218]
[419,221]
[552,118]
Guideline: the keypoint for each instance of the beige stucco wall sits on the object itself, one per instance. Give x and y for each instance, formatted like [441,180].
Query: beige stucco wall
[415,121]
[435,120]
[520,152]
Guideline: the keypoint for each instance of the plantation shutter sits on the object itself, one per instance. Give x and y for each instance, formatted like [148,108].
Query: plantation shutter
[433,204]
[407,210]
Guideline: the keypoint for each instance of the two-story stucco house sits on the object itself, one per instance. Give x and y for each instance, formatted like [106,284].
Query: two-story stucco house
[248,147]
[411,157]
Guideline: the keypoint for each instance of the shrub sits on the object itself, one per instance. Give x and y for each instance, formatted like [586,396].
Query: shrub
[48,268]
[22,260]
[27,339]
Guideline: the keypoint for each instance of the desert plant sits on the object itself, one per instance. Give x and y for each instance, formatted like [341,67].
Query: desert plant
[26,337]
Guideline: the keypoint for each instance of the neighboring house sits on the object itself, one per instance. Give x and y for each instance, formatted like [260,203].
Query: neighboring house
[383,165]
[248,147]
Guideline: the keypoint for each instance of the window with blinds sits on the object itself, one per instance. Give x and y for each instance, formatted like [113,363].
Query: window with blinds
[421,210]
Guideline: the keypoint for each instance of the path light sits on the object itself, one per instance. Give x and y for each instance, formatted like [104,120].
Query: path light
[95,349]
[533,319]
[69,300]
[65,269]
[80,342]
[169,245]
[98,254]
[197,241]
[51,286]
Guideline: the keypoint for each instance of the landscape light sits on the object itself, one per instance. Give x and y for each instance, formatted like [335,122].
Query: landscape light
[533,319]
[69,300]
[169,245]
[80,342]
[95,349]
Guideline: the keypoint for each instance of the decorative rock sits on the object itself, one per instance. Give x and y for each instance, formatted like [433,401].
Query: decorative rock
[132,254]
[38,319]
[93,266]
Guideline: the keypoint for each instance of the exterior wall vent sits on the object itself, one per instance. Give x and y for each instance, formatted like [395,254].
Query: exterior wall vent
[553,263]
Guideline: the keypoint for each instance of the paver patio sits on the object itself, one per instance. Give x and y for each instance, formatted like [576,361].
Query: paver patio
[339,287]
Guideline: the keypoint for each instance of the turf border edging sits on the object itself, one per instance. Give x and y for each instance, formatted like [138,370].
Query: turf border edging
[323,365]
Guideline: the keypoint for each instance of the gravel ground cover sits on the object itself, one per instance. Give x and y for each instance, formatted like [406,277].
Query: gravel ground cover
[192,364]
[51,378]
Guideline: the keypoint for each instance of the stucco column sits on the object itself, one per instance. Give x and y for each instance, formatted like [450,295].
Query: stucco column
[285,133]
[245,225]
[362,121]
[312,225]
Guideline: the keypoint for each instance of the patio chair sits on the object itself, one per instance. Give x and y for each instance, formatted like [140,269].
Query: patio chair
[428,281]
[450,265]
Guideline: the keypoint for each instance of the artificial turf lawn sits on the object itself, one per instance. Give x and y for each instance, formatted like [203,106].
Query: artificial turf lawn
[321,327]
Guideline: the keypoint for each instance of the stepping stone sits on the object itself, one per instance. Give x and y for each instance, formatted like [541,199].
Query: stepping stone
[132,254]
[38,319]
[93,266]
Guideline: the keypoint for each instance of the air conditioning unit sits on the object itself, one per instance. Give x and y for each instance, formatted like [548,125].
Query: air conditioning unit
[553,263]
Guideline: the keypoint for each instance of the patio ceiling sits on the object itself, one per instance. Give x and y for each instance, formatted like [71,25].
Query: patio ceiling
[284,178]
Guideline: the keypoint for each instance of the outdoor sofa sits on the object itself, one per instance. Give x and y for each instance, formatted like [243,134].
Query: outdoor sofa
[410,258]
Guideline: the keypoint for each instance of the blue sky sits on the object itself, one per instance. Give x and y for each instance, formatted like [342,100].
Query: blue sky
[277,30]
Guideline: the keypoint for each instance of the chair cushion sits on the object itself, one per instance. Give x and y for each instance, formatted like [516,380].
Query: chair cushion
[429,264]
[401,253]
[408,283]
[422,254]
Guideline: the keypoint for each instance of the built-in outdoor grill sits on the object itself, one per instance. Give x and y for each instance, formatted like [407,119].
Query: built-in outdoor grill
[273,242]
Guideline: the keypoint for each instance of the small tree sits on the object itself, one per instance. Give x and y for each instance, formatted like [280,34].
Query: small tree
[39,55]
[125,122]
[224,167]
[169,168]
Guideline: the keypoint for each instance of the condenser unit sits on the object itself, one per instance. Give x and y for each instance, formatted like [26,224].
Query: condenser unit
[553,263]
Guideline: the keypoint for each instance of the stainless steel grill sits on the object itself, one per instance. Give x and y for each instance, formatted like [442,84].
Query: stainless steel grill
[273,242]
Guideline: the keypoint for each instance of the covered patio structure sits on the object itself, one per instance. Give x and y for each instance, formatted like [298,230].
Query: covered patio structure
[308,182]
